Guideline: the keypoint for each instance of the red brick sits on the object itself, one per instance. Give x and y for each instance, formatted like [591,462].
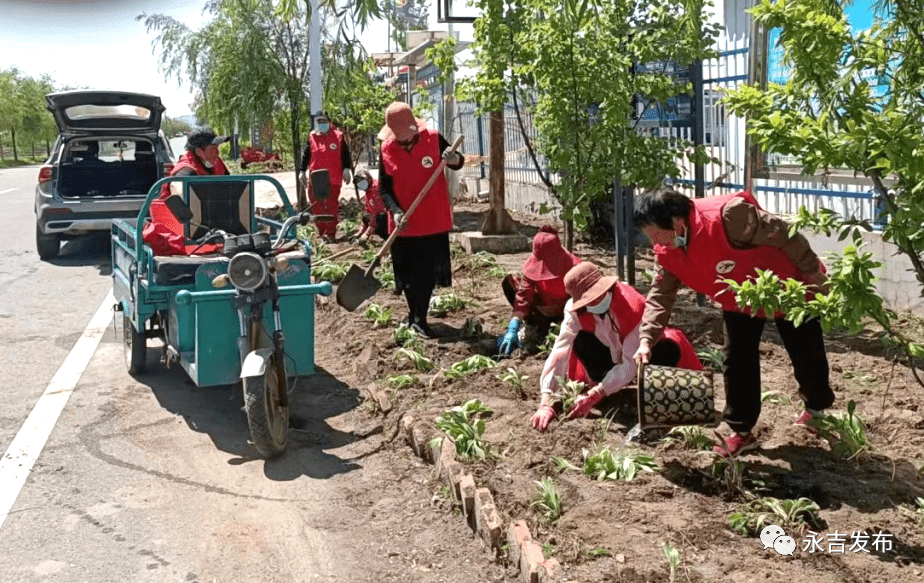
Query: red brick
[467,490]
[379,397]
[453,477]
[551,571]
[517,534]
[531,562]
[486,519]
[445,456]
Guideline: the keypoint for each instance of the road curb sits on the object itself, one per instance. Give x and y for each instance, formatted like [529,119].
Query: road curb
[478,506]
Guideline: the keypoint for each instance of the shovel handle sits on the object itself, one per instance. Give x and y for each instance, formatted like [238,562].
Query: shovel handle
[417,201]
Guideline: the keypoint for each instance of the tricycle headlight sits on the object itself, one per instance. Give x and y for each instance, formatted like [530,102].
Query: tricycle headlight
[247,271]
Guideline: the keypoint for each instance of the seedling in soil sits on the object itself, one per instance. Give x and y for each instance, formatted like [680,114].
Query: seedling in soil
[401,381]
[404,336]
[418,360]
[562,465]
[472,328]
[332,272]
[442,305]
[602,464]
[597,552]
[792,515]
[914,512]
[514,378]
[379,315]
[570,391]
[848,430]
[775,397]
[689,436]
[470,365]
[497,272]
[673,560]
[465,429]
[547,499]
[711,357]
[549,340]
[548,549]
[730,471]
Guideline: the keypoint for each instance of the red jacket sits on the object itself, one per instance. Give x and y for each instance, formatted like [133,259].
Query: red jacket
[189,160]
[547,296]
[325,154]
[709,258]
[410,171]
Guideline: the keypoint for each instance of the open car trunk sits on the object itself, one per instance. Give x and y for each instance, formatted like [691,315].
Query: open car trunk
[106,168]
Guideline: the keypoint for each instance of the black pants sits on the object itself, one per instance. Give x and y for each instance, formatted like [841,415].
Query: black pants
[595,356]
[806,348]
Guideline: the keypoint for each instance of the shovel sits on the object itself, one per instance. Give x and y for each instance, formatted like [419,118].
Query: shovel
[358,285]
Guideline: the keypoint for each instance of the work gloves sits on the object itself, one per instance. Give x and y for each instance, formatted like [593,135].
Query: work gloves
[452,158]
[586,402]
[509,341]
[303,178]
[541,418]
[347,176]
[398,218]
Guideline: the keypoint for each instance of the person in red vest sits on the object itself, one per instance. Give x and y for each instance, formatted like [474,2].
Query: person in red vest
[201,157]
[538,298]
[326,149]
[420,255]
[598,338]
[700,243]
[375,219]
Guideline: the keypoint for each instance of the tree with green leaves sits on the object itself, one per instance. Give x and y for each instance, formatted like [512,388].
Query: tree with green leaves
[853,101]
[23,113]
[561,59]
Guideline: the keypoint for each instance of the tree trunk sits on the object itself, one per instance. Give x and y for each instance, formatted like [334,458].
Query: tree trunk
[13,137]
[569,235]
[297,156]
[498,220]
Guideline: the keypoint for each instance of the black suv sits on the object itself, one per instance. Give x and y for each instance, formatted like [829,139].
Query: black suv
[108,154]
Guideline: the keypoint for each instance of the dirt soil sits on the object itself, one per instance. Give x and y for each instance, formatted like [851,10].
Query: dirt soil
[617,530]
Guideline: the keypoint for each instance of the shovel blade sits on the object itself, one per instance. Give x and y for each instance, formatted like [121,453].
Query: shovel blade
[356,287]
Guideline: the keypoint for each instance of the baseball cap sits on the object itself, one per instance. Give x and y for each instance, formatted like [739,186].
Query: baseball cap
[204,137]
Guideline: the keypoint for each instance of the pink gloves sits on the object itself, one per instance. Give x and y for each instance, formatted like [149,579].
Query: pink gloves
[541,418]
[586,402]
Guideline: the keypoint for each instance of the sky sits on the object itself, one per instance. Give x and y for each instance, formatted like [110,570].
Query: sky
[98,44]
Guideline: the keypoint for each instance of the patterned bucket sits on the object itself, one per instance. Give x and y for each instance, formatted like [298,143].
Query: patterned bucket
[668,397]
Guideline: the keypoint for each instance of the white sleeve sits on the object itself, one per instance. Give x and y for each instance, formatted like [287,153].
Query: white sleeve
[624,372]
[556,365]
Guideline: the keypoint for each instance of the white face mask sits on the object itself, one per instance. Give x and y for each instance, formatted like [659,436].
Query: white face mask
[362,185]
[680,241]
[602,306]
[206,163]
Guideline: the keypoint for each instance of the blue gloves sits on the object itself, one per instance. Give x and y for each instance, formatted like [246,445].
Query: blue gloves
[510,340]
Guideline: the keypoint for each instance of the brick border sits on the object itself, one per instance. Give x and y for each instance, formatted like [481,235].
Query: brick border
[478,506]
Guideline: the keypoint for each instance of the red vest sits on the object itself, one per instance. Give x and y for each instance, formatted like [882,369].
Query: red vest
[189,160]
[626,310]
[372,201]
[325,154]
[710,259]
[410,171]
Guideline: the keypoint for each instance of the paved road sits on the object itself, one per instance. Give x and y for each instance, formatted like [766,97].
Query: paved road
[149,479]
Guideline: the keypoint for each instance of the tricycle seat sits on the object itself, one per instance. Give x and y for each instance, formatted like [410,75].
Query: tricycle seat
[179,269]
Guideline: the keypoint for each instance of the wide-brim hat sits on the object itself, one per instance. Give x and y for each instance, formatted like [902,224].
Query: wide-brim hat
[549,259]
[587,285]
[400,123]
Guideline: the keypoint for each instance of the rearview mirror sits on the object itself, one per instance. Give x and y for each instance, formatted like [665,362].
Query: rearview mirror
[178,208]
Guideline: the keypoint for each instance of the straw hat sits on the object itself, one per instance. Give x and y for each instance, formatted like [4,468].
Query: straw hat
[549,260]
[400,123]
[587,285]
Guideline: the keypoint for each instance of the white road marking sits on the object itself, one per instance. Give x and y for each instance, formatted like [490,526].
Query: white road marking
[8,190]
[18,460]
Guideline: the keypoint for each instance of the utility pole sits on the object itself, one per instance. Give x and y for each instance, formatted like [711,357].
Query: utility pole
[314,54]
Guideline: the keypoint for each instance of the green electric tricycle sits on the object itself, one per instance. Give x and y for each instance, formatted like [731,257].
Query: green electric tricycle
[227,292]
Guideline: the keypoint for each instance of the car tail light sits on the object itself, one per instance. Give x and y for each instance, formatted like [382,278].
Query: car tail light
[45,174]
[168,168]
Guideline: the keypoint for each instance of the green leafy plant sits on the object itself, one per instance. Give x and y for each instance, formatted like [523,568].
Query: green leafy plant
[418,360]
[404,336]
[848,432]
[548,549]
[380,315]
[561,464]
[601,464]
[673,560]
[514,378]
[472,328]
[402,381]
[689,436]
[547,500]
[597,552]
[775,397]
[712,357]
[464,426]
[570,391]
[442,305]
[470,365]
[730,471]
[791,515]
[549,341]
[331,271]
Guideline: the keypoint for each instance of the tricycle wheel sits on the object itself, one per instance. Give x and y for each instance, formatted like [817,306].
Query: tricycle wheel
[135,346]
[267,418]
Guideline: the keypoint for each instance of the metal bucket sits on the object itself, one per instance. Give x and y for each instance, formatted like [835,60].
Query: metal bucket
[669,397]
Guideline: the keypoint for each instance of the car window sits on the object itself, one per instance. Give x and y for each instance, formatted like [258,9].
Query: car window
[90,111]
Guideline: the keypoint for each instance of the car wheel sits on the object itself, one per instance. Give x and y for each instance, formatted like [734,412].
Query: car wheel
[48,246]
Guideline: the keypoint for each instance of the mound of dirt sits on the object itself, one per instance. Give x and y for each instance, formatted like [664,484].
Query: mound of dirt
[625,530]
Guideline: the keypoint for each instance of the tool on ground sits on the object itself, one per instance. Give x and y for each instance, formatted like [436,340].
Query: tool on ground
[358,284]
[338,254]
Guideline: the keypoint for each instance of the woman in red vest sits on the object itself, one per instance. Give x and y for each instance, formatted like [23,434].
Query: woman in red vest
[598,337]
[700,243]
[375,219]
[326,149]
[538,298]
[420,254]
